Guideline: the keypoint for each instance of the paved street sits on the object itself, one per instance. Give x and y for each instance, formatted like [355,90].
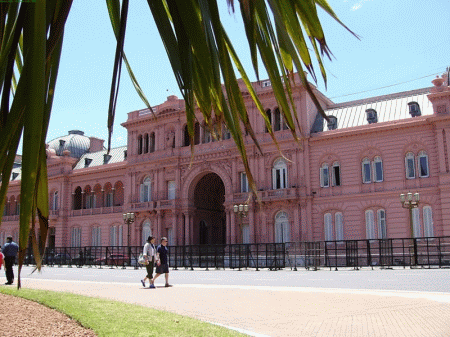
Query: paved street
[279,303]
[434,280]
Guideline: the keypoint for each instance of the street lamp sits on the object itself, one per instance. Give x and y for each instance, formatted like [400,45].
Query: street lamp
[241,210]
[411,201]
[128,219]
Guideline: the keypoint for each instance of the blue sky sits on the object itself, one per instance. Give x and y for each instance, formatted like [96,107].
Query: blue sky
[401,41]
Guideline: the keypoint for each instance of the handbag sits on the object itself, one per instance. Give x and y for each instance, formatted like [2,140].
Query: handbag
[142,260]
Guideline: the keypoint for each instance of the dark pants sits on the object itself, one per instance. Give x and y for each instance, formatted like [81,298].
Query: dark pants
[149,270]
[9,263]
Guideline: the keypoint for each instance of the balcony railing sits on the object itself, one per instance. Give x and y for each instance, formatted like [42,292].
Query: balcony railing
[98,210]
[10,217]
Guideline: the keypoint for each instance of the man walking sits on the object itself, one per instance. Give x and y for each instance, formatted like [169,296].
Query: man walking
[10,250]
[162,263]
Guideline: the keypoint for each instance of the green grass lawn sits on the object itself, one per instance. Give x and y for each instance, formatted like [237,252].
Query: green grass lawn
[111,318]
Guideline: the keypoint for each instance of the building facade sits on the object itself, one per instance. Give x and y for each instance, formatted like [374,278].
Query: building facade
[342,181]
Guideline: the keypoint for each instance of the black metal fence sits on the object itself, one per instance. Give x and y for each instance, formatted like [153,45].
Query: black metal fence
[417,252]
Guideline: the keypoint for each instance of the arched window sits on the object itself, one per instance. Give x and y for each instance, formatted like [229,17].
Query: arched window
[324,175]
[409,166]
[96,236]
[328,227]
[55,201]
[88,198]
[145,146]
[422,161]
[339,226]
[146,190]
[140,144]
[370,226]
[428,225]
[332,123]
[336,174]
[417,230]
[282,230]
[381,221]
[109,195]
[152,142]
[206,134]
[377,169]
[75,239]
[196,133]
[77,198]
[244,182]
[226,133]
[414,109]
[279,174]
[269,117]
[366,171]
[277,120]
[187,140]
[146,231]
[372,116]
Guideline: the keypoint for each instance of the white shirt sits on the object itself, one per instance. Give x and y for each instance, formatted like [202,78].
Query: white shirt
[149,250]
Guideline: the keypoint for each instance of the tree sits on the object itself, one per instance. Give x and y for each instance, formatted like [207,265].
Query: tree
[202,58]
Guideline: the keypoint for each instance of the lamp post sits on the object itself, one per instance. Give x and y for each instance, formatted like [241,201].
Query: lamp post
[128,219]
[241,211]
[411,201]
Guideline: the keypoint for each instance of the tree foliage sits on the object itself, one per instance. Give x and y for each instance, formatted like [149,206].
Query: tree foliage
[285,34]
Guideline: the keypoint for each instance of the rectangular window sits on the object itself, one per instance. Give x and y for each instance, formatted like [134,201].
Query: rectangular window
[245,233]
[381,218]
[171,187]
[366,173]
[336,175]
[96,236]
[423,166]
[109,199]
[328,227]
[244,182]
[410,172]
[428,221]
[324,177]
[378,170]
[370,228]
[113,236]
[76,237]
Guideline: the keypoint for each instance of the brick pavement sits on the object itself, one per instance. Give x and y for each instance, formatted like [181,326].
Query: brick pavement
[284,311]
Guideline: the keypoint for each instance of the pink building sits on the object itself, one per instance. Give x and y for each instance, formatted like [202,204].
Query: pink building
[343,182]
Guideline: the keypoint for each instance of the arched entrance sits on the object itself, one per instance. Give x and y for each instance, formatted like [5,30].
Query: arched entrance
[209,216]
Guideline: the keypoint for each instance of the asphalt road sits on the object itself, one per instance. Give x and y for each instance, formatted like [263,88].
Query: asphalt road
[429,280]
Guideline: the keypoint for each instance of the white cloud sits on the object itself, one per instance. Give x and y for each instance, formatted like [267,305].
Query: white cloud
[358,5]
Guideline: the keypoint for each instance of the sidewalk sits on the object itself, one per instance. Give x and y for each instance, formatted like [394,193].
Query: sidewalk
[283,311]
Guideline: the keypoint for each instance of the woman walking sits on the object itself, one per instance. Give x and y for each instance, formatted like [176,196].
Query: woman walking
[150,256]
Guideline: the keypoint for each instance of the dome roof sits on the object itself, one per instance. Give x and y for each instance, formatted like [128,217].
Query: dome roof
[76,142]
